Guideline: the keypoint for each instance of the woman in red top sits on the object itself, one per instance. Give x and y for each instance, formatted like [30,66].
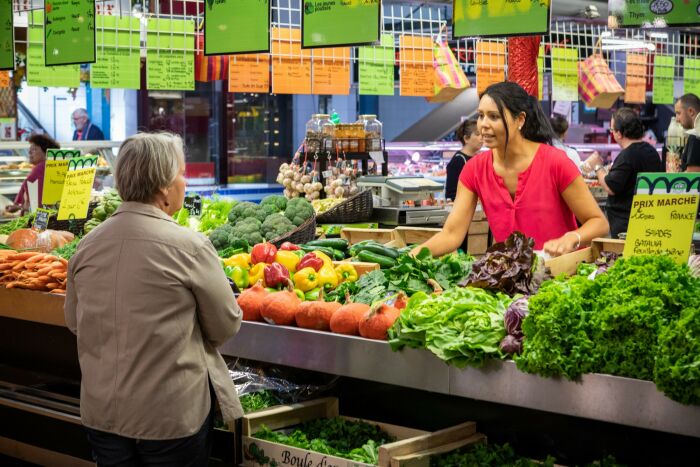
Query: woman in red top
[523,183]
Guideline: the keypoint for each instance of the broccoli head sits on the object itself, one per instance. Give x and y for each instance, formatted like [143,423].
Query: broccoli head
[299,210]
[248,229]
[246,210]
[222,236]
[276,225]
[278,202]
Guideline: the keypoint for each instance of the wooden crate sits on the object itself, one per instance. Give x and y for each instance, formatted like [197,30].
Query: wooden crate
[422,458]
[414,235]
[354,235]
[477,244]
[31,305]
[568,263]
[409,440]
[479,227]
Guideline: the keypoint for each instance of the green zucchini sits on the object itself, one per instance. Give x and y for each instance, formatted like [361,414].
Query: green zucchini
[338,255]
[336,243]
[381,250]
[384,262]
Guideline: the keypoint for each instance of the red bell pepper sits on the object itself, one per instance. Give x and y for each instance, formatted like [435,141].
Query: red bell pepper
[275,275]
[289,246]
[263,253]
[310,260]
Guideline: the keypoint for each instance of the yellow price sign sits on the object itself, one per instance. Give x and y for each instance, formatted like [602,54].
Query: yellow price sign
[77,191]
[661,224]
[57,161]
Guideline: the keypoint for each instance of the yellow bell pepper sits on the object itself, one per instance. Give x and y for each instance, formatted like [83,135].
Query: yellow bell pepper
[306,279]
[256,273]
[241,260]
[346,273]
[288,259]
[324,257]
[327,278]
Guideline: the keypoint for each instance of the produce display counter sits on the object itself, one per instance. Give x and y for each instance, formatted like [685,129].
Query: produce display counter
[595,396]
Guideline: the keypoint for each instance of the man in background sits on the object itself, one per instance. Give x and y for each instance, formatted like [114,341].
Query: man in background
[85,130]
[687,109]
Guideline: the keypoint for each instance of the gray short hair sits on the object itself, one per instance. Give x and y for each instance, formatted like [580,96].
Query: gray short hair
[146,163]
[81,112]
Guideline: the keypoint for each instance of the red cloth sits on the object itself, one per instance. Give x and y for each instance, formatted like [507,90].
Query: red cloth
[538,211]
[37,174]
[522,62]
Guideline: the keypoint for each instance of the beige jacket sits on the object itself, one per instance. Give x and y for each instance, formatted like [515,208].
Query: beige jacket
[150,303]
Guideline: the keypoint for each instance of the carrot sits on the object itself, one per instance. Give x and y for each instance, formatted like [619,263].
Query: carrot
[31,275]
[51,258]
[44,278]
[5,266]
[52,285]
[63,261]
[57,275]
[19,266]
[58,291]
[36,258]
[47,269]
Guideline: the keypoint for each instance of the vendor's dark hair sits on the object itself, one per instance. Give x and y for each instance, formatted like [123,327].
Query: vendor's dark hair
[465,130]
[690,101]
[627,122]
[514,98]
[45,142]
[559,125]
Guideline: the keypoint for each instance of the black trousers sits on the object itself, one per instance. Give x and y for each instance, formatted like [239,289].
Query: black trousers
[110,450]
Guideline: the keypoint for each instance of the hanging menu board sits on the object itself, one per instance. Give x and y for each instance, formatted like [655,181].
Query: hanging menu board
[170,55]
[69,32]
[564,74]
[691,76]
[234,27]
[636,79]
[291,66]
[38,74]
[118,62]
[490,64]
[417,76]
[376,68]
[664,67]
[654,13]
[7,35]
[499,18]
[331,71]
[249,73]
[327,23]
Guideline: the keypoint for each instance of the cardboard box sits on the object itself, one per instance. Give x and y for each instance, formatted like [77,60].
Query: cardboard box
[31,305]
[282,417]
[477,244]
[567,264]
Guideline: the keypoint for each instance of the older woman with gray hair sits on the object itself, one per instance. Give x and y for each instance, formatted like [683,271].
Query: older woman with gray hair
[150,304]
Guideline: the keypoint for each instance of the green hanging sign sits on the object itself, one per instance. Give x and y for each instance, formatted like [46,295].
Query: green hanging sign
[691,76]
[498,18]
[236,26]
[7,33]
[118,62]
[332,23]
[170,55]
[69,32]
[664,66]
[38,74]
[656,13]
[376,68]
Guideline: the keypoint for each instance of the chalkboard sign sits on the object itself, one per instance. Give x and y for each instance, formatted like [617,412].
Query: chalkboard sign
[41,219]
[193,204]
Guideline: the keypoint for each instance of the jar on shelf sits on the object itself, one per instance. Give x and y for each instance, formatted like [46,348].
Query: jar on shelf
[327,131]
[314,134]
[373,132]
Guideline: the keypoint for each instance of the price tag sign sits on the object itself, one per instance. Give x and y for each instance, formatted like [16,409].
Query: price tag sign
[193,204]
[662,225]
[41,219]
[77,188]
[55,173]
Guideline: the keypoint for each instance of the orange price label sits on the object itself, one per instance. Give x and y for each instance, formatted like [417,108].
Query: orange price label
[291,66]
[490,64]
[249,73]
[331,71]
[417,76]
[4,79]
[636,79]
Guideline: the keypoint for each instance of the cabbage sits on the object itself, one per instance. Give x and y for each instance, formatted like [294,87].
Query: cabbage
[514,316]
[511,344]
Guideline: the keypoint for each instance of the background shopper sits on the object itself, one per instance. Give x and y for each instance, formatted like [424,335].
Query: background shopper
[687,109]
[561,127]
[522,182]
[85,130]
[150,304]
[38,145]
[468,135]
[636,156]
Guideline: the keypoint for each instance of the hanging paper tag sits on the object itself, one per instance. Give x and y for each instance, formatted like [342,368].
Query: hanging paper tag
[377,156]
